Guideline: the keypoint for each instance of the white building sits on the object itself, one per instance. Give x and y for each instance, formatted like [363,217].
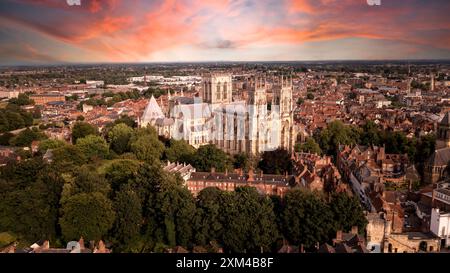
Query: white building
[145,79]
[233,126]
[440,225]
[95,84]
[9,94]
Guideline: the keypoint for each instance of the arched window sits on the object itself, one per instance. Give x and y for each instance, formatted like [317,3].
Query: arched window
[219,97]
[423,246]
[235,132]
[225,90]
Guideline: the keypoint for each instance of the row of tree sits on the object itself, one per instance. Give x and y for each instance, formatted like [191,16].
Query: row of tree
[112,187]
[138,207]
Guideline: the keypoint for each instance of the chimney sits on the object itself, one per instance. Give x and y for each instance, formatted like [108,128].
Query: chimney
[101,247]
[213,169]
[354,230]
[226,171]
[251,176]
[339,236]
[81,242]
[302,249]
[46,245]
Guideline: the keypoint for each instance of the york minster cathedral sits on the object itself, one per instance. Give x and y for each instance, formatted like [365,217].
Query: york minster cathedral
[234,125]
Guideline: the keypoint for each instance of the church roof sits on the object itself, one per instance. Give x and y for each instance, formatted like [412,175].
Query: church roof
[446,119]
[440,157]
[152,111]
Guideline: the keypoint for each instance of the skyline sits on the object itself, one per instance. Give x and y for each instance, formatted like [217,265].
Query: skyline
[137,31]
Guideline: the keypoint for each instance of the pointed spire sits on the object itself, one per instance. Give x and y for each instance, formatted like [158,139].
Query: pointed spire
[152,111]
[169,96]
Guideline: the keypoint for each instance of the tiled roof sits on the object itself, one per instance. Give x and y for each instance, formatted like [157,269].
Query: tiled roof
[440,157]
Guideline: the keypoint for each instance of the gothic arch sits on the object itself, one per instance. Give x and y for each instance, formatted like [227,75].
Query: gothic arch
[225,90]
[218,91]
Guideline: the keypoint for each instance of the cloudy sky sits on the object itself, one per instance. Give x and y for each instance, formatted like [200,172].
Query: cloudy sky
[51,31]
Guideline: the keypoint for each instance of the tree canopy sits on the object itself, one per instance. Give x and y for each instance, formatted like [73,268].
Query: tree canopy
[82,129]
[309,146]
[276,162]
[209,156]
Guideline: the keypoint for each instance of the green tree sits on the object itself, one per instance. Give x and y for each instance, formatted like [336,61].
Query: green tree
[347,212]
[87,180]
[179,151]
[398,143]
[21,100]
[30,209]
[335,134]
[249,222]
[209,156]
[93,147]
[14,120]
[5,138]
[87,215]
[425,149]
[119,137]
[126,120]
[82,129]
[67,158]
[26,137]
[276,162]
[310,146]
[310,96]
[306,218]
[146,145]
[370,134]
[242,161]
[127,226]
[119,172]
[50,144]
[208,222]
[168,208]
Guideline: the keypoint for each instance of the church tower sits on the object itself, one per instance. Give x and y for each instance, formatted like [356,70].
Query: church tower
[217,88]
[256,121]
[432,84]
[443,132]
[282,101]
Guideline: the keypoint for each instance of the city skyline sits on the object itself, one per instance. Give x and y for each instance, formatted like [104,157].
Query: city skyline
[51,31]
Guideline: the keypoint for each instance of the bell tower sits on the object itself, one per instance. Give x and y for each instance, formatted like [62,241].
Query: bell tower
[282,98]
[257,115]
[217,88]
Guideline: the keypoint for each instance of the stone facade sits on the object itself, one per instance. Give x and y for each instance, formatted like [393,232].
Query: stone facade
[242,126]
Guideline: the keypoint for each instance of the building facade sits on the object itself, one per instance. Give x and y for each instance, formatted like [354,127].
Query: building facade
[235,126]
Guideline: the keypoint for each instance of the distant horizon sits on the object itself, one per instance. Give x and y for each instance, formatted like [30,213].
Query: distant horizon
[405,61]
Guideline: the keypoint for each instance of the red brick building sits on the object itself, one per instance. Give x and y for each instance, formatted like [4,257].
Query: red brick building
[264,183]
